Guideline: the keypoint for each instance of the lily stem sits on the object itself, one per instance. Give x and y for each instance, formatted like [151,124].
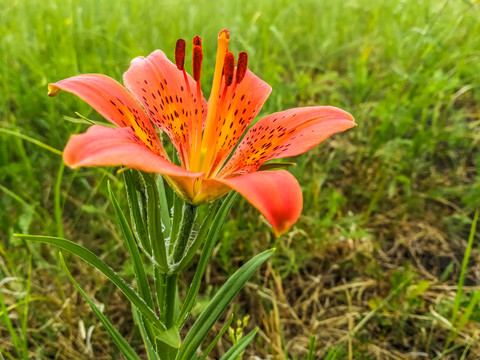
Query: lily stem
[188,218]
[171,309]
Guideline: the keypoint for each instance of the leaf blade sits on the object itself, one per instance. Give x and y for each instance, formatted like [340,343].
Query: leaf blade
[218,304]
[96,262]
[118,339]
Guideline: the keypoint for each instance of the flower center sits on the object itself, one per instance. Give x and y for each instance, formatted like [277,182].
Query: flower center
[202,145]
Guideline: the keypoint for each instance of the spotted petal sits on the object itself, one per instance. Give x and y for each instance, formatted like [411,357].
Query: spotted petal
[104,146]
[162,90]
[276,194]
[241,104]
[113,102]
[287,133]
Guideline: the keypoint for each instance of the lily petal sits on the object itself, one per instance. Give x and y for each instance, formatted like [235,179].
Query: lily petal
[113,102]
[286,133]
[276,194]
[240,106]
[104,146]
[161,88]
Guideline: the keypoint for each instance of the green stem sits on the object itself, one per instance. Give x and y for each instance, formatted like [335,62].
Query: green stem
[160,288]
[171,302]
[186,225]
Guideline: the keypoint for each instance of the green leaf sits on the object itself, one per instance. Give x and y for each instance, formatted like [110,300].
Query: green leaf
[118,339]
[136,216]
[236,350]
[154,221]
[171,337]
[164,211]
[214,342]
[131,245]
[151,351]
[272,166]
[177,217]
[96,262]
[218,304]
[205,256]
[140,275]
[199,238]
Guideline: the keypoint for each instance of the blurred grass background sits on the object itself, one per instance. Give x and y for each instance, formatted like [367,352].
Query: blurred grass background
[373,268]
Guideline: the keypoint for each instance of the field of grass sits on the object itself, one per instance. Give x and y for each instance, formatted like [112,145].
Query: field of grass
[384,262]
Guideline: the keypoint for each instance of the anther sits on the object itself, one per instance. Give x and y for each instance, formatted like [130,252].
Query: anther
[197,62]
[241,66]
[197,40]
[180,54]
[228,68]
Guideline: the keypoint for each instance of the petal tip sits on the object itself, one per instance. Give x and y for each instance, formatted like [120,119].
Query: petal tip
[53,90]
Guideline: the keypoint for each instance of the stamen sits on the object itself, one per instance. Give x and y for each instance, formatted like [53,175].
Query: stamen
[228,68]
[241,66]
[197,62]
[180,54]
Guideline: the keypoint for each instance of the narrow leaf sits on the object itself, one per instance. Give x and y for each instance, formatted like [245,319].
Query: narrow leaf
[205,256]
[171,337]
[236,350]
[140,275]
[274,166]
[96,262]
[218,304]
[131,245]
[151,351]
[218,337]
[199,238]
[118,339]
[164,211]
[139,226]
[155,222]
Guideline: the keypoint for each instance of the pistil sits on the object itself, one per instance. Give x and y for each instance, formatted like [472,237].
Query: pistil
[228,71]
[223,40]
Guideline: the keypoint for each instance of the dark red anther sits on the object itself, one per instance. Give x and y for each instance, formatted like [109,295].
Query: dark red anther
[197,62]
[228,68]
[241,66]
[180,54]
[197,40]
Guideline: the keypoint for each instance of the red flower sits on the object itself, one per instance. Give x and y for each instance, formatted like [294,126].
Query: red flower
[163,95]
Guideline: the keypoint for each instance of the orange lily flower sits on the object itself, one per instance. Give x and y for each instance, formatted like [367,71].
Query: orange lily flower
[162,95]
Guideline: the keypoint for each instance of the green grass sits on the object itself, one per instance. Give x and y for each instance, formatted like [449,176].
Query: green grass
[389,204]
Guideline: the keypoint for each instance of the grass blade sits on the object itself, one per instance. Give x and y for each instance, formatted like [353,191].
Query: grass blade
[214,342]
[32,140]
[461,279]
[311,347]
[236,350]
